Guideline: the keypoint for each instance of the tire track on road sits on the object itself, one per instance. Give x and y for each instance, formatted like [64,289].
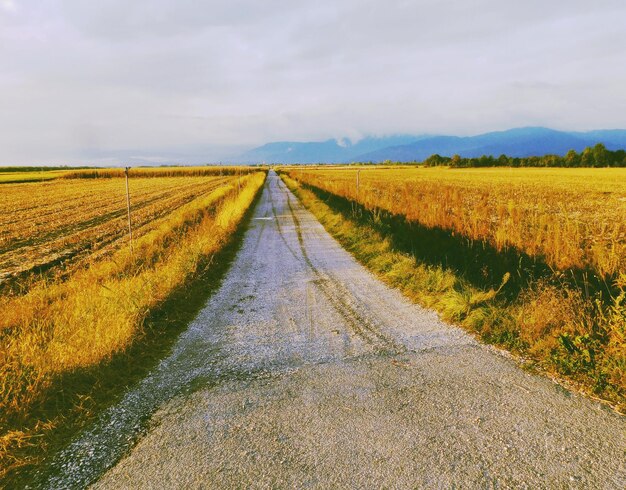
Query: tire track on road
[340,298]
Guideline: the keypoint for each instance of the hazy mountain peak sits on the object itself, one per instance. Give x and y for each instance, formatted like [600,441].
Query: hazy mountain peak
[517,142]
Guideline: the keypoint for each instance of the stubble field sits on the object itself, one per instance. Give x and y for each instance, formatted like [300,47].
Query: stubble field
[570,218]
[45,223]
[74,294]
[530,259]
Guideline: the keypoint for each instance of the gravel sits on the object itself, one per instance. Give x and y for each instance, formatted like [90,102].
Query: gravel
[305,371]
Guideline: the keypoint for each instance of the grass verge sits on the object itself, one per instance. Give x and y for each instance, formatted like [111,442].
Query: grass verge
[555,328]
[102,329]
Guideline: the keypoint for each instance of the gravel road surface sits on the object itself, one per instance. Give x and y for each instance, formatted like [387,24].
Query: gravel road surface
[305,371]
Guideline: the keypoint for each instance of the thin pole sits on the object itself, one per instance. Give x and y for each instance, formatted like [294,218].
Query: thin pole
[130,226]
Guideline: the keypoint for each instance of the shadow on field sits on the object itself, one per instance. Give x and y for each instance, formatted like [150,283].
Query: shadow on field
[77,398]
[477,261]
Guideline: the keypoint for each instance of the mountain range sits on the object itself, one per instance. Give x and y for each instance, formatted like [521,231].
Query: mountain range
[518,142]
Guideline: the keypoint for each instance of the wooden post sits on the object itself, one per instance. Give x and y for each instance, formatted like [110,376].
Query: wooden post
[130,226]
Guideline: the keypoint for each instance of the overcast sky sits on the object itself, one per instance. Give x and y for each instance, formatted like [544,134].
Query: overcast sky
[103,80]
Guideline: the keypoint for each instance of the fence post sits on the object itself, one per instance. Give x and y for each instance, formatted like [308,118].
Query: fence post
[130,226]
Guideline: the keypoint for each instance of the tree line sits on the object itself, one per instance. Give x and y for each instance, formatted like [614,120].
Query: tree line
[596,156]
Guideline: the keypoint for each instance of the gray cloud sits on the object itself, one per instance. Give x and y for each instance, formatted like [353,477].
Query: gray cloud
[90,80]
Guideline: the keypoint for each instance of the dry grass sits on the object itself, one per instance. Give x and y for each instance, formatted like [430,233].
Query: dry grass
[42,174]
[42,223]
[98,311]
[571,218]
[205,171]
[7,177]
[551,321]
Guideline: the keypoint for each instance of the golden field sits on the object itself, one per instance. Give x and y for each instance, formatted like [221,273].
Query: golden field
[187,171]
[533,260]
[97,308]
[42,223]
[572,218]
[30,176]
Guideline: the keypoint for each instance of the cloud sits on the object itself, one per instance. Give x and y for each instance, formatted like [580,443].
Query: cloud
[150,78]
[8,5]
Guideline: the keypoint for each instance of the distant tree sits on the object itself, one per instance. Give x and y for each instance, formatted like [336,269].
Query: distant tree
[552,161]
[436,159]
[572,159]
[586,158]
[503,160]
[597,156]
[601,156]
[486,161]
[619,158]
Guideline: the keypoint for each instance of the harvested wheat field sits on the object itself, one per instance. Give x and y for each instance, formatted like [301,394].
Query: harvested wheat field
[77,291]
[530,259]
[44,224]
[538,211]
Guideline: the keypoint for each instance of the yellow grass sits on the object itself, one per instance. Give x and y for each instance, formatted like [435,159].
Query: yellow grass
[197,171]
[43,222]
[573,218]
[99,309]
[35,174]
[30,176]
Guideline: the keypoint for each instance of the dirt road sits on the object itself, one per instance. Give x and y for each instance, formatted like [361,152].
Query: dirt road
[305,371]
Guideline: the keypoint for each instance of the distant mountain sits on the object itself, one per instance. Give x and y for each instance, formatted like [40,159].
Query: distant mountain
[519,142]
[330,151]
[613,139]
